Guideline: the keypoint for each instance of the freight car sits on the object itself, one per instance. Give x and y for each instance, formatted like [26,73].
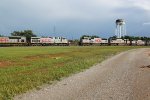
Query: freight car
[13,41]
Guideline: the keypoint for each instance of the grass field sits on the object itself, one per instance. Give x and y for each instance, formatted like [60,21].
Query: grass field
[25,68]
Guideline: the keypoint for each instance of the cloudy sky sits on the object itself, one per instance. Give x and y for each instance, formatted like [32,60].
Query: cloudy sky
[73,18]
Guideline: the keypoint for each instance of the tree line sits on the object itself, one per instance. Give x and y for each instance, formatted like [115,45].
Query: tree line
[29,33]
[26,33]
[132,38]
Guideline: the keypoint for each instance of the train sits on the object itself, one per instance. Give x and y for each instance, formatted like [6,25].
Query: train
[61,41]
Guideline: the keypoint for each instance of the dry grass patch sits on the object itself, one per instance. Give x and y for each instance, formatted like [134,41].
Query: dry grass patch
[41,56]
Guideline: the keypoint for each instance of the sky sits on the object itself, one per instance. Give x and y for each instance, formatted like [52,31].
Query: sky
[73,18]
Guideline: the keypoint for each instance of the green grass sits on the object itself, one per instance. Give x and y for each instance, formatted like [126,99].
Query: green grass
[25,68]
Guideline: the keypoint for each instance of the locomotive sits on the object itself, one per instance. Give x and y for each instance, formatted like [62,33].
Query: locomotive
[85,41]
[49,41]
[13,41]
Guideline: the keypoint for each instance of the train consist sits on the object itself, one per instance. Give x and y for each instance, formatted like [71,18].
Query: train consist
[35,41]
[60,41]
[85,41]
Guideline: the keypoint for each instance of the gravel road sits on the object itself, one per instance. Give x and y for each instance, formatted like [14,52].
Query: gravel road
[125,76]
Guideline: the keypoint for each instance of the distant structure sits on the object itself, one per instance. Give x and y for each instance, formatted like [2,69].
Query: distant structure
[120,28]
[54,30]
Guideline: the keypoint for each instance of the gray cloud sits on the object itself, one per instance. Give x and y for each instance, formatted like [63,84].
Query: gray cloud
[73,17]
[146,23]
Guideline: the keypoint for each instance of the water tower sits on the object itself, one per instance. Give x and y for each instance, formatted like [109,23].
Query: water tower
[120,28]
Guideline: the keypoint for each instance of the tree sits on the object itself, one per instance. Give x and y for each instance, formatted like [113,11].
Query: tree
[1,35]
[92,37]
[75,42]
[137,38]
[113,38]
[82,37]
[26,33]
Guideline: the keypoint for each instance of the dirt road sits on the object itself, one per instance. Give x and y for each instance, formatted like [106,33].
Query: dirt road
[125,76]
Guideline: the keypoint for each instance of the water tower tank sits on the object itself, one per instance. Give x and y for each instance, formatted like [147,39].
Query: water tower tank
[120,22]
[120,28]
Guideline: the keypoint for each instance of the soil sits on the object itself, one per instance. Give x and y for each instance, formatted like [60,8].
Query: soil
[5,63]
